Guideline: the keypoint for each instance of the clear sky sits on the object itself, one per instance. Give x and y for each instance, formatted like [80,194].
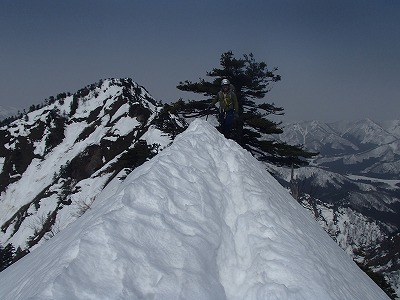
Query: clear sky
[339,60]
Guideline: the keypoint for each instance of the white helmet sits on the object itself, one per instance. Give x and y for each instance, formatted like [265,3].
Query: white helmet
[225,82]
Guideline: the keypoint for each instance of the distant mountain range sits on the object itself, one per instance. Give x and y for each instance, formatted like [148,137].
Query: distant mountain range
[353,186]
[360,148]
[108,128]
[6,112]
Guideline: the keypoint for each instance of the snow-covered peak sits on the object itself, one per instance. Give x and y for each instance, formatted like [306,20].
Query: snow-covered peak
[315,135]
[6,112]
[392,126]
[364,131]
[64,152]
[201,220]
[359,147]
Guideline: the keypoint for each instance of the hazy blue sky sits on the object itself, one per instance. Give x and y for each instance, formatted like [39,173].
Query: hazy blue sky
[338,59]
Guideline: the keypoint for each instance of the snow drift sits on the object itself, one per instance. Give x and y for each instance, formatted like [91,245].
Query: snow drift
[201,220]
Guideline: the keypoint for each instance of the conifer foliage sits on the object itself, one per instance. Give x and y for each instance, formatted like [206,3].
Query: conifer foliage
[252,80]
[6,256]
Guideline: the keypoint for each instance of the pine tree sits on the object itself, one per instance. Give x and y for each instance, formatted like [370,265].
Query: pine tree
[252,81]
[6,256]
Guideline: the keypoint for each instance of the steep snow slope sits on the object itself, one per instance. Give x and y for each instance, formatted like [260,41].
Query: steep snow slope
[201,220]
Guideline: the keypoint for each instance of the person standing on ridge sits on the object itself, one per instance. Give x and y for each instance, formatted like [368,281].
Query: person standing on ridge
[228,107]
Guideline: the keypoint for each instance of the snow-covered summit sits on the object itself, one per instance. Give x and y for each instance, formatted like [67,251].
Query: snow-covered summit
[6,112]
[201,220]
[61,155]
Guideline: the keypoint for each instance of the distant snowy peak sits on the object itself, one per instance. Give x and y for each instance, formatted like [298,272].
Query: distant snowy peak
[6,112]
[392,126]
[359,147]
[315,135]
[341,134]
[107,104]
[366,132]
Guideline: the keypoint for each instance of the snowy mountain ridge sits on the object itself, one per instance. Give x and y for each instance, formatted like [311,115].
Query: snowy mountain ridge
[213,225]
[364,131]
[72,148]
[6,112]
[56,160]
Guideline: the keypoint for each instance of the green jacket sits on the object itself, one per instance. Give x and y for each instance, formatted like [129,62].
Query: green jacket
[227,101]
